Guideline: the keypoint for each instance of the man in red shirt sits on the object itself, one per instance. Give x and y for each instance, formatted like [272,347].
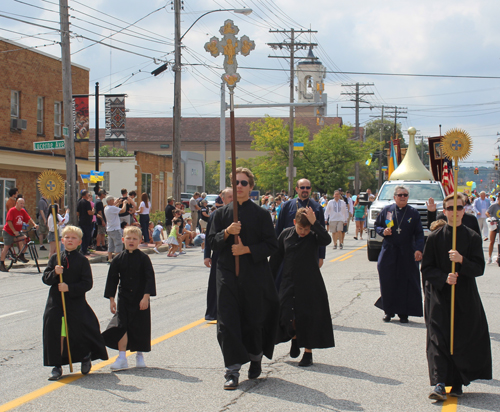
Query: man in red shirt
[11,231]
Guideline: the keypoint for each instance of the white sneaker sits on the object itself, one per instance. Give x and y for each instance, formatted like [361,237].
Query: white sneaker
[489,260]
[139,361]
[156,250]
[120,363]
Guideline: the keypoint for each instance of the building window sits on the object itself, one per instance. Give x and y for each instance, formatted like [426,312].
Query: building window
[146,184]
[102,185]
[14,104]
[39,115]
[5,186]
[57,118]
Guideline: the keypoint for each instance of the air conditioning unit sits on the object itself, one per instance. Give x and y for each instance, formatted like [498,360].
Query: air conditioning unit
[18,124]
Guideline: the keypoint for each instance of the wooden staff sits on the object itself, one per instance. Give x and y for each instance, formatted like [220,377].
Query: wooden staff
[233,173]
[453,247]
[56,233]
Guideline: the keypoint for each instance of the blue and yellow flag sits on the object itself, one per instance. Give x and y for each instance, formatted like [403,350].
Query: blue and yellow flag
[85,178]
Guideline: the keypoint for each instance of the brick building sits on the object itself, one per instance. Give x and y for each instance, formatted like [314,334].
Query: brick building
[31,111]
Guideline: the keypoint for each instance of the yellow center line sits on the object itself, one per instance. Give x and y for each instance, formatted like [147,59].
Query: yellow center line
[450,404]
[347,257]
[71,378]
[348,253]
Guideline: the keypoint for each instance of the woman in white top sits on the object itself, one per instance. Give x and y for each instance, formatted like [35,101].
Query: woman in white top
[52,236]
[144,208]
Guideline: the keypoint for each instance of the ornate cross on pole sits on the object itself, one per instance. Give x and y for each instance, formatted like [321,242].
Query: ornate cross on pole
[230,46]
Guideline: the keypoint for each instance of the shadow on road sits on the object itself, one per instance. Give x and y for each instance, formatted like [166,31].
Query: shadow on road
[349,373]
[480,400]
[357,330]
[159,373]
[495,336]
[292,392]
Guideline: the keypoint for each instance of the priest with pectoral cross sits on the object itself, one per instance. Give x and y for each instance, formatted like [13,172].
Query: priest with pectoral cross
[400,226]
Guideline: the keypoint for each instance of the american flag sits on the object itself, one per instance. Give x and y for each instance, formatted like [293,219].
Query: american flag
[447,174]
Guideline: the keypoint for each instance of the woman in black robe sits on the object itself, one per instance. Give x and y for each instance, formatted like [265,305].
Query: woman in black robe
[471,357]
[85,339]
[304,309]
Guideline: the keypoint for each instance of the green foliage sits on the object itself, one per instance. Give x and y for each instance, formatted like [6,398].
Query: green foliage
[159,215]
[212,173]
[106,151]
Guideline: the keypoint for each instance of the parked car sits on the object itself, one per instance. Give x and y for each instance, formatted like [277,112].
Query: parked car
[185,197]
[211,200]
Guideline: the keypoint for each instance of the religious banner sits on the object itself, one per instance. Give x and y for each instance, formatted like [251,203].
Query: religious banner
[114,105]
[436,157]
[81,116]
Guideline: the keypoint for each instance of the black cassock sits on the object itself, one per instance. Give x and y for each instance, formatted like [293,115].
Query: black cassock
[247,305]
[398,272]
[134,276]
[83,327]
[211,312]
[471,357]
[302,294]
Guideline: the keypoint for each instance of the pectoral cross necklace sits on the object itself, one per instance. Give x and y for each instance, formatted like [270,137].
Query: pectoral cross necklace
[399,223]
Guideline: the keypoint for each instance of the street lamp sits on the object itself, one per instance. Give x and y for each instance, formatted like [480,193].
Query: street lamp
[176,139]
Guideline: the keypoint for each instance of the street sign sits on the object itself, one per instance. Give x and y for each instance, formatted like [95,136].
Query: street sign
[350,177]
[49,145]
[65,131]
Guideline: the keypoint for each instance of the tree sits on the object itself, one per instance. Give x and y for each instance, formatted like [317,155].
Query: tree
[372,131]
[106,151]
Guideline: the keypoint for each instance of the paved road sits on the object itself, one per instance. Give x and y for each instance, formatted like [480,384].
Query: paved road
[374,367]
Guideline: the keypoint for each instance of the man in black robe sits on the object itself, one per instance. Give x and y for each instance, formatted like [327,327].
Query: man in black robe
[247,303]
[471,357]
[401,228]
[304,310]
[210,261]
[468,220]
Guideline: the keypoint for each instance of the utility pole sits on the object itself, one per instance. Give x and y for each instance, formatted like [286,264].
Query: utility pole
[395,113]
[176,135]
[381,151]
[68,128]
[358,95]
[292,46]
[222,149]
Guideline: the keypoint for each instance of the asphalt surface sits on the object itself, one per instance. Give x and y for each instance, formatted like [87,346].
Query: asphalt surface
[375,366]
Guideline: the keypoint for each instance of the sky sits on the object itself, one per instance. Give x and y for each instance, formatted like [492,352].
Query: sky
[370,37]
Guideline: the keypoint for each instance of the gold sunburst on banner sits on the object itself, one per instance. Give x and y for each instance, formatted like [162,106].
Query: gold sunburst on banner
[51,185]
[456,144]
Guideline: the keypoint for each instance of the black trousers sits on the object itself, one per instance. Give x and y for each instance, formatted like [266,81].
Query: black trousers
[144,221]
[211,313]
[87,237]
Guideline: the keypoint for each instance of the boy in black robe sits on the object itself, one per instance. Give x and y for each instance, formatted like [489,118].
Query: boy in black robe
[304,308]
[247,304]
[132,273]
[471,357]
[85,339]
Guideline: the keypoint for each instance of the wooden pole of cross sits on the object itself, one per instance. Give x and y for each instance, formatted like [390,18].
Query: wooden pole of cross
[230,46]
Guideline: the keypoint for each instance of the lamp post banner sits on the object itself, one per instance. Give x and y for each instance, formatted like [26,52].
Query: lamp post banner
[115,116]
[81,116]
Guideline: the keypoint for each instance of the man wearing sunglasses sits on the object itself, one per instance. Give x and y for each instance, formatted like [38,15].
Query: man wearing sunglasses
[247,302]
[471,357]
[468,220]
[289,210]
[400,226]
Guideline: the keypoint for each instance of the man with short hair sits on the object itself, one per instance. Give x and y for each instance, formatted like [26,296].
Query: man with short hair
[336,215]
[471,357]
[248,308]
[11,201]
[85,214]
[100,220]
[494,212]
[481,206]
[43,215]
[194,208]
[400,226]
[125,216]
[15,218]
[169,214]
[113,228]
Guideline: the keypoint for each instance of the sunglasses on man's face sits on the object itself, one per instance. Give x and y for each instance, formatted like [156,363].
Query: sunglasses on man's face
[305,187]
[243,183]
[402,195]
[450,208]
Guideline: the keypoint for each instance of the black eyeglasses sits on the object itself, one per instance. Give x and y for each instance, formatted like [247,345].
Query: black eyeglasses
[459,208]
[402,195]
[305,187]
[243,183]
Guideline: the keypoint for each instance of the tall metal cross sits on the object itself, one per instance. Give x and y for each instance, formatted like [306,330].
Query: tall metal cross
[230,46]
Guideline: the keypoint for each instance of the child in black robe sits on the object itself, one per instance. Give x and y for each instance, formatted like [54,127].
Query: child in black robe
[132,273]
[85,339]
[304,308]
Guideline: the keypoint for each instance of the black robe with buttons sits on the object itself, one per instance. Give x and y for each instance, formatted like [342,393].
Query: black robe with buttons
[83,327]
[247,305]
[471,357]
[133,275]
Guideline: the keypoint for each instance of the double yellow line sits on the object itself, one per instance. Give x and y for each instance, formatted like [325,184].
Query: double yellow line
[347,255]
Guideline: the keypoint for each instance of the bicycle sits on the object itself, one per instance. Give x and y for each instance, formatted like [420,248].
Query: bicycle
[29,245]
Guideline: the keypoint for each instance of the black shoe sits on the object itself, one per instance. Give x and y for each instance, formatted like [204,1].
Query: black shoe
[403,318]
[43,247]
[99,249]
[23,259]
[294,349]
[56,373]
[456,391]
[231,383]
[307,359]
[86,364]
[388,317]
[2,267]
[255,369]
[438,393]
